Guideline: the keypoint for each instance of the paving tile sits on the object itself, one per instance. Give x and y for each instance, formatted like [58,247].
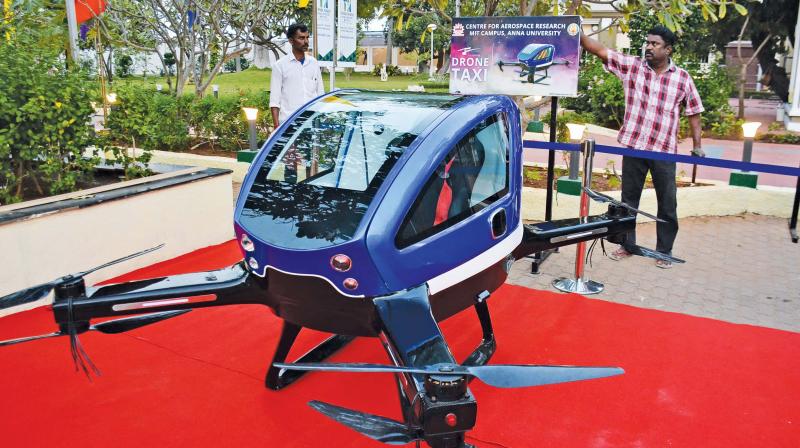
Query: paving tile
[739,268]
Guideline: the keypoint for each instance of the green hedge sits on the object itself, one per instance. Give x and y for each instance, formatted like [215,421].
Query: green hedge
[151,120]
[44,114]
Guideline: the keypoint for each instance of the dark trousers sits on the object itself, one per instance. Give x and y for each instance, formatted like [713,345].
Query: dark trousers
[634,172]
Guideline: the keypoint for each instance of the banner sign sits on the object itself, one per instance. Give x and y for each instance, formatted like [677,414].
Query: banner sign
[346,33]
[515,55]
[325,23]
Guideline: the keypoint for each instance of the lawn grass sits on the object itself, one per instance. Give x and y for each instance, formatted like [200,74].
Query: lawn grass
[254,80]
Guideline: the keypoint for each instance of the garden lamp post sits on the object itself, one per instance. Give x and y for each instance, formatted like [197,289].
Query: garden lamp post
[252,114]
[159,87]
[570,184]
[536,99]
[431,27]
[575,135]
[111,98]
[215,89]
[746,178]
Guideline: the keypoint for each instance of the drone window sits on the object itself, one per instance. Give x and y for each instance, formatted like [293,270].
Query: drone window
[320,176]
[472,176]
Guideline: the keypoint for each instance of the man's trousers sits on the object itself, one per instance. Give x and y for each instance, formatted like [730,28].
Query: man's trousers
[634,173]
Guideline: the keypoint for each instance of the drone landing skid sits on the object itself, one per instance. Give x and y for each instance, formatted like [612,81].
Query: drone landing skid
[278,378]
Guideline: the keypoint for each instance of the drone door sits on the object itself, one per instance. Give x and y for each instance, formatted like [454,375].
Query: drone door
[457,223]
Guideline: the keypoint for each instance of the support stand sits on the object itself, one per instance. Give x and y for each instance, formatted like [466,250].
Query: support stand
[579,284]
[538,258]
[278,378]
[481,355]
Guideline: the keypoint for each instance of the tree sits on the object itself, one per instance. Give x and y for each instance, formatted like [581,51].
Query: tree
[191,31]
[415,37]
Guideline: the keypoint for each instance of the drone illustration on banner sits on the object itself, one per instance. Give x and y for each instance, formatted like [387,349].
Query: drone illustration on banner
[532,59]
[352,220]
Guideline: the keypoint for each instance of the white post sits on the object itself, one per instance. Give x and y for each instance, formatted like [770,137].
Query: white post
[794,91]
[72,24]
[430,68]
[332,68]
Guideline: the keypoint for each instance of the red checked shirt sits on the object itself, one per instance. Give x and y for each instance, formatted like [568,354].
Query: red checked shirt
[652,102]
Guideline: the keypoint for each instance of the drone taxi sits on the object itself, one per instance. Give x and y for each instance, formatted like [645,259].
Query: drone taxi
[373,214]
[534,58]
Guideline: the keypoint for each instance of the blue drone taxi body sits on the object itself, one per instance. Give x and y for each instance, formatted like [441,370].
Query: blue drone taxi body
[372,214]
[425,131]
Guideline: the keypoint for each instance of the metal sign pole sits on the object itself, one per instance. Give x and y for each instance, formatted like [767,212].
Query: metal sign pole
[539,257]
[72,25]
[795,209]
[579,284]
[335,47]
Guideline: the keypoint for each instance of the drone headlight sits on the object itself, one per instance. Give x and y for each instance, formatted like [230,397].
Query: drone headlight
[247,243]
[341,263]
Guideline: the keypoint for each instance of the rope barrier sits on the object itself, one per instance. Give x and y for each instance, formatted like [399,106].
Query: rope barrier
[680,158]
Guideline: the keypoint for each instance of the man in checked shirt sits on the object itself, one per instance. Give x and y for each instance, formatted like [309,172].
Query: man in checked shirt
[655,90]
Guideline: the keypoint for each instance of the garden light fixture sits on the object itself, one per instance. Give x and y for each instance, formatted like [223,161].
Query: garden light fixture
[252,114]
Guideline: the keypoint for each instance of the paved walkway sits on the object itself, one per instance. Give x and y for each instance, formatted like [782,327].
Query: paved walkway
[741,269]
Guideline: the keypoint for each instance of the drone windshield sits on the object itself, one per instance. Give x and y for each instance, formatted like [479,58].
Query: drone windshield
[320,176]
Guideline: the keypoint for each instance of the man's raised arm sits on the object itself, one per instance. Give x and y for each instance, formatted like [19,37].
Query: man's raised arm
[594,47]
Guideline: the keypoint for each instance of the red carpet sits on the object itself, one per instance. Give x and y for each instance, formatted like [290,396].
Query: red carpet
[197,380]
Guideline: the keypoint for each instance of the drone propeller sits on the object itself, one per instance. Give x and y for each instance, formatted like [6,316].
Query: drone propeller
[650,253]
[39,292]
[109,327]
[505,376]
[603,198]
[375,427]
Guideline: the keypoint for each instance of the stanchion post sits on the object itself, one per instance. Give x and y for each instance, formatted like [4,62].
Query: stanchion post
[579,284]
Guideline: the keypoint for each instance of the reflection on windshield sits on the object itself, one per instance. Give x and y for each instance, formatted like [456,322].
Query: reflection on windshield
[320,176]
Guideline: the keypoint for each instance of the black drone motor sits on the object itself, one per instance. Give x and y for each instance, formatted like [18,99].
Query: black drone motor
[448,410]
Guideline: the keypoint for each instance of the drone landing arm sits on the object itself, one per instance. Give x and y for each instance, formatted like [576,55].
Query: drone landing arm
[483,353]
[412,338]
[228,286]
[563,232]
[278,378]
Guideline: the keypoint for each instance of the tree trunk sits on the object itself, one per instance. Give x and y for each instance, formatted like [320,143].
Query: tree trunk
[389,46]
[742,81]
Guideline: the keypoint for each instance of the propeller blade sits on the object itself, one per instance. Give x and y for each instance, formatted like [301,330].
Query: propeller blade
[119,260]
[375,427]
[28,295]
[503,375]
[29,338]
[39,292]
[131,323]
[645,252]
[368,368]
[603,198]
[509,376]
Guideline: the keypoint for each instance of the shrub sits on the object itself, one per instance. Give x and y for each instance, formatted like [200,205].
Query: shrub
[221,122]
[44,110]
[599,94]
[230,66]
[391,70]
[792,139]
[122,65]
[145,119]
[715,86]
